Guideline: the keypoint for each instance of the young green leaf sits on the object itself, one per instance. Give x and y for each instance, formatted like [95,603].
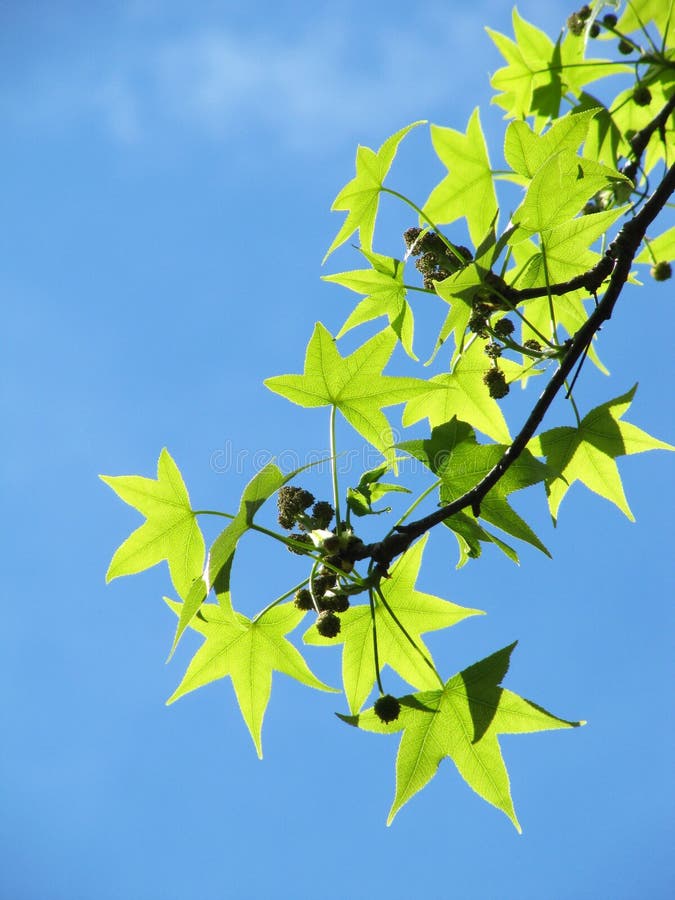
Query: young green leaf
[369,490]
[462,722]
[417,612]
[360,197]
[453,454]
[248,651]
[470,533]
[468,190]
[587,453]
[660,248]
[385,296]
[353,384]
[170,530]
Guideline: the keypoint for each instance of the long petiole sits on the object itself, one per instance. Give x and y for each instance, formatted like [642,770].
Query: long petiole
[426,218]
[333,465]
[409,638]
[376,657]
[551,310]
[414,505]
[278,600]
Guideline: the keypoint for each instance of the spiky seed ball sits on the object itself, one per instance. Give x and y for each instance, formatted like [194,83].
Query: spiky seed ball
[662,271]
[410,237]
[292,501]
[625,47]
[594,30]
[477,325]
[496,383]
[323,583]
[303,600]
[301,539]
[642,96]
[584,12]
[575,24]
[504,327]
[493,350]
[531,344]
[387,708]
[609,19]
[337,602]
[328,624]
[322,514]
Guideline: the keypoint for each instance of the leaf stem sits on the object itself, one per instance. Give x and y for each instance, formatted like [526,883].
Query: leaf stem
[426,218]
[279,600]
[407,635]
[333,465]
[376,657]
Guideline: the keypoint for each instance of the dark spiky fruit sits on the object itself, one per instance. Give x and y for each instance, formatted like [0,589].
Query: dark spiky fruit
[292,502]
[328,624]
[532,345]
[478,325]
[625,47]
[411,240]
[575,24]
[504,327]
[496,383]
[387,708]
[338,603]
[661,271]
[642,96]
[301,539]
[594,30]
[609,19]
[322,514]
[323,583]
[303,600]
[493,350]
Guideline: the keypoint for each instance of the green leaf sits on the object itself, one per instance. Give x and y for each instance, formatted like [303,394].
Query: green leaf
[453,455]
[526,151]
[662,248]
[360,197]
[468,190]
[469,535]
[462,722]
[661,12]
[462,394]
[560,188]
[417,612]
[248,651]
[169,532]
[385,296]
[587,453]
[369,490]
[539,73]
[259,489]
[353,384]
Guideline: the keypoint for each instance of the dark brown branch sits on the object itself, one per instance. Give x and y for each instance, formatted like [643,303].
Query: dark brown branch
[620,254]
[640,139]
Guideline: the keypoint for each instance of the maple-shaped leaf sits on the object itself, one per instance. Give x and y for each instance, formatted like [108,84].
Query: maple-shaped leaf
[169,532]
[360,197]
[248,651]
[526,151]
[461,721]
[470,534]
[468,189]
[259,489]
[416,611]
[539,73]
[560,187]
[462,394]
[353,384]
[453,455]
[660,12]
[588,453]
[385,296]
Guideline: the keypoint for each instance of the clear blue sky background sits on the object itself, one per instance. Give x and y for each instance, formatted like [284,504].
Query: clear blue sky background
[168,170]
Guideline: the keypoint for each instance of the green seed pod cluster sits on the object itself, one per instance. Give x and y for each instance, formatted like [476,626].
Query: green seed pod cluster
[387,708]
[495,381]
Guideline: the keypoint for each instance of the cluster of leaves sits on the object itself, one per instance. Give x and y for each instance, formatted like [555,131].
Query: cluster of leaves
[555,266]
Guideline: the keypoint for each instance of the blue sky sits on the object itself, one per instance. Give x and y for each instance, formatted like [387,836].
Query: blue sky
[168,177]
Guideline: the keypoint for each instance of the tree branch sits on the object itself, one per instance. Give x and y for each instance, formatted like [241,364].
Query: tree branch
[618,259]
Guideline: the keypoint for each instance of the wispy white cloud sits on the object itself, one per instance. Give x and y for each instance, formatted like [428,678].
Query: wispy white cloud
[326,81]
